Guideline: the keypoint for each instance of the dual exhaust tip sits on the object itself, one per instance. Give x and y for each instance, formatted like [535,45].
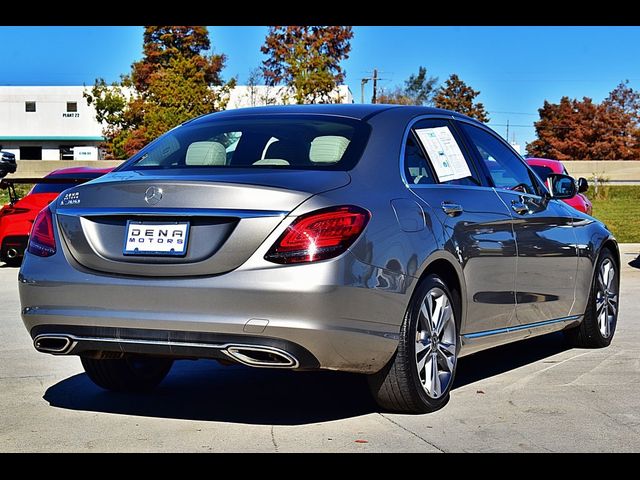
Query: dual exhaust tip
[251,355]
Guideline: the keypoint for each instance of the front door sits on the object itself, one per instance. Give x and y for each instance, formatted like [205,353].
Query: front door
[547,254]
[477,225]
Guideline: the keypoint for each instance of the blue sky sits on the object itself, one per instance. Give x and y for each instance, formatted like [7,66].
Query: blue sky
[515,68]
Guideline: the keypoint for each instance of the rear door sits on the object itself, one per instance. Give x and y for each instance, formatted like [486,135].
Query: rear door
[547,253]
[439,170]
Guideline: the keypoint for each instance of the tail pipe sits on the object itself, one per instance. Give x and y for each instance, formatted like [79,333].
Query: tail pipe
[12,253]
[56,344]
[262,356]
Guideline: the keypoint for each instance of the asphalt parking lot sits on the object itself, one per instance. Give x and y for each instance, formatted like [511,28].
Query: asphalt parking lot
[533,396]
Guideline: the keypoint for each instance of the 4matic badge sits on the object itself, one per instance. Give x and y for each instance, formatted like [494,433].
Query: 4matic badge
[71,198]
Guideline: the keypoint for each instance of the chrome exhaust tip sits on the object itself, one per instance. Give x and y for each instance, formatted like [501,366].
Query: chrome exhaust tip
[56,344]
[12,253]
[261,356]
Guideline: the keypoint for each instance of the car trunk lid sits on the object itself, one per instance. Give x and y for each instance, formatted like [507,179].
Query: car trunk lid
[229,215]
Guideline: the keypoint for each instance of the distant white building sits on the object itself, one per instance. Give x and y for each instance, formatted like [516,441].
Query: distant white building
[55,123]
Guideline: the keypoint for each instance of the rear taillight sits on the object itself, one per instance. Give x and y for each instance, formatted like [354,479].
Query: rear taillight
[319,235]
[12,211]
[41,240]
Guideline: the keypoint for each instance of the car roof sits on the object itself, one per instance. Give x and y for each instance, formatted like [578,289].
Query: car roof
[355,111]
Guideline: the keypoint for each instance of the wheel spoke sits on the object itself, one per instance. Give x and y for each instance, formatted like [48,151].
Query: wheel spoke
[435,375]
[421,362]
[613,303]
[425,317]
[447,353]
[436,314]
[420,347]
[445,316]
[608,274]
[603,322]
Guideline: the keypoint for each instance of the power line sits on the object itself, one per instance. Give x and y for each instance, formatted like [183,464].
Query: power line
[514,113]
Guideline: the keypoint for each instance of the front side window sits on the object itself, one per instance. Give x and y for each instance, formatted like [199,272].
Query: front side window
[507,171]
[277,141]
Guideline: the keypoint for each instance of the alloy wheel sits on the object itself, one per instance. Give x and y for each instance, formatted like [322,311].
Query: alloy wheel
[436,347]
[606,298]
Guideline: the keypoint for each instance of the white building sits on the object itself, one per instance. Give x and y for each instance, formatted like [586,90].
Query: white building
[48,123]
[55,123]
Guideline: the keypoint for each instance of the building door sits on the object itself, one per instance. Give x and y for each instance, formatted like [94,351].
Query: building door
[30,153]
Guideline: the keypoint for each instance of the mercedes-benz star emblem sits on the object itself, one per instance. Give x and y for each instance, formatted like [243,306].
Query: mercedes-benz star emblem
[153,195]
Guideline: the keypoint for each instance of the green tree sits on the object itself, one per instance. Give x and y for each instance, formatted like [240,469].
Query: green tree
[418,89]
[175,81]
[306,59]
[458,96]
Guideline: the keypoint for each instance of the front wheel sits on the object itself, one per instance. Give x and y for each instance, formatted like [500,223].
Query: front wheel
[419,377]
[601,316]
[133,373]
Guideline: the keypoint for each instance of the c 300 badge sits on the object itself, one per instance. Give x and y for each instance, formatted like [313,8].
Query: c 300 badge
[71,198]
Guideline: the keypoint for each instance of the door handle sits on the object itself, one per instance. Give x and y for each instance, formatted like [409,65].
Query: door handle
[519,207]
[452,209]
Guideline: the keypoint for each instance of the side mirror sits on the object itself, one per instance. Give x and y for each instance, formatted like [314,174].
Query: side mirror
[561,187]
[583,185]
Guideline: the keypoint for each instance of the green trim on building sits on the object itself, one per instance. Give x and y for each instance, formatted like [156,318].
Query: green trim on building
[52,138]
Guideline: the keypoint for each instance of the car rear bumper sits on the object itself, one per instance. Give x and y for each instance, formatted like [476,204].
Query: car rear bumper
[336,314]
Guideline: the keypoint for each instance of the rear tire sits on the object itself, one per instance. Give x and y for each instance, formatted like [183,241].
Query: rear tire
[420,375]
[601,316]
[129,374]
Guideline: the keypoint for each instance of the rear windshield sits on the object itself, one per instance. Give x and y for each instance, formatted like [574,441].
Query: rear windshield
[279,142]
[62,186]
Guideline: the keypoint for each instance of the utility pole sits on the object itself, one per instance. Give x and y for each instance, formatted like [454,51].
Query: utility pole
[362,84]
[375,86]
[507,129]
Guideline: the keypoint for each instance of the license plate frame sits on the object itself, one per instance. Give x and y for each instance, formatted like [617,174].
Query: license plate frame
[184,226]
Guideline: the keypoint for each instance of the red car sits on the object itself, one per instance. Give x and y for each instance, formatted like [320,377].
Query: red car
[545,166]
[17,217]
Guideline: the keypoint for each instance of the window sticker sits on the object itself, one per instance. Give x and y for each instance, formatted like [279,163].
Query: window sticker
[444,152]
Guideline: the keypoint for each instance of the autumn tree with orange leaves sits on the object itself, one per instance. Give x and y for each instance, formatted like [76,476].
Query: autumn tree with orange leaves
[583,130]
[306,59]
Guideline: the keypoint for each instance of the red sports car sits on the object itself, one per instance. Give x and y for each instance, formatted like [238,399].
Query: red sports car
[17,217]
[545,166]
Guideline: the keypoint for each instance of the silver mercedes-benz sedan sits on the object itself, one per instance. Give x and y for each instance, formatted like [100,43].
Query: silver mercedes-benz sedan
[385,240]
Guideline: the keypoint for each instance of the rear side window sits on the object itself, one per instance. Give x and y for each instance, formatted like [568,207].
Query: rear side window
[416,167]
[434,154]
[315,142]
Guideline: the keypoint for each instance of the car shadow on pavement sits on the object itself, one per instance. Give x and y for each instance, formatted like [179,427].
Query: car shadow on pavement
[495,361]
[203,390]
